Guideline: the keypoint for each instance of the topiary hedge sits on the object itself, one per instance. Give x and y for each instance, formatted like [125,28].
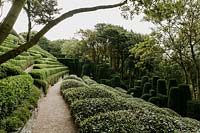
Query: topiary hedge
[135,121]
[8,69]
[72,83]
[161,86]
[12,91]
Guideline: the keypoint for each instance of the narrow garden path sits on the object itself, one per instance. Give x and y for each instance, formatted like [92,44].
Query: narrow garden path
[29,69]
[53,114]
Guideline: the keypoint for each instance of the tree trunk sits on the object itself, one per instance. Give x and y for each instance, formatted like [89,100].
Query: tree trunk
[10,19]
[13,53]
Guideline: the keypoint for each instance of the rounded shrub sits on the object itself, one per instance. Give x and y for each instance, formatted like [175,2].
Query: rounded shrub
[146,97]
[154,82]
[161,86]
[193,109]
[137,92]
[71,83]
[146,88]
[172,83]
[78,93]
[135,121]
[137,83]
[163,100]
[155,100]
[174,99]
[153,93]
[184,97]
[73,77]
[144,80]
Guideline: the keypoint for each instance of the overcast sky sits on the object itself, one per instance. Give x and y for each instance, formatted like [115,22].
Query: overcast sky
[68,28]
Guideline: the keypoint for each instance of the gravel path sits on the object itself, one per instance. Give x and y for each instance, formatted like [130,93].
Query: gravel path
[53,114]
[29,69]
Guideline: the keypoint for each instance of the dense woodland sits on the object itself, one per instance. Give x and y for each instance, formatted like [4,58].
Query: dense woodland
[114,80]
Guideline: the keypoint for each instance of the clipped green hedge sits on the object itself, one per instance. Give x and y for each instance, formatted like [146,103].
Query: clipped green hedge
[8,69]
[136,121]
[73,77]
[41,66]
[42,84]
[12,91]
[78,93]
[71,83]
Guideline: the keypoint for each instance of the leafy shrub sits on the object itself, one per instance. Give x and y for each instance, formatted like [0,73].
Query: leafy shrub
[178,97]
[146,88]
[185,96]
[130,90]
[73,94]
[72,83]
[42,84]
[161,87]
[111,90]
[88,80]
[137,91]
[8,69]
[22,113]
[12,91]
[138,83]
[42,66]
[73,77]
[172,83]
[153,93]
[144,80]
[135,121]
[154,82]
[174,99]
[155,100]
[163,100]
[55,77]
[146,97]
[193,109]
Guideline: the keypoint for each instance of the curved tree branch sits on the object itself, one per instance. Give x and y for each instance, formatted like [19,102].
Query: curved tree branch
[13,53]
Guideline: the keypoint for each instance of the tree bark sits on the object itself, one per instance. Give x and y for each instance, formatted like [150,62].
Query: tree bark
[13,53]
[10,19]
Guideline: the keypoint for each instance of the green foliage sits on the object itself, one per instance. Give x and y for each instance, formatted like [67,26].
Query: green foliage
[41,84]
[22,113]
[155,100]
[78,93]
[146,97]
[146,88]
[12,91]
[138,83]
[154,82]
[137,91]
[133,121]
[153,92]
[193,109]
[69,83]
[174,99]
[161,86]
[172,83]
[163,100]
[73,77]
[8,69]
[144,80]
[185,95]
[88,80]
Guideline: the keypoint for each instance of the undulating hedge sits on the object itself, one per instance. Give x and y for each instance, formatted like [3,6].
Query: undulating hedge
[193,109]
[8,69]
[12,91]
[136,121]
[73,77]
[100,108]
[71,83]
